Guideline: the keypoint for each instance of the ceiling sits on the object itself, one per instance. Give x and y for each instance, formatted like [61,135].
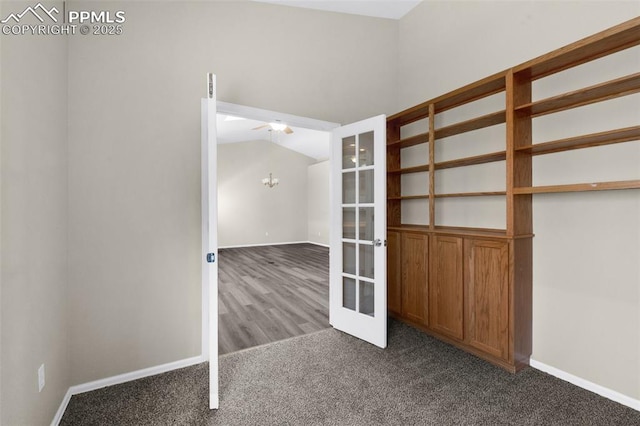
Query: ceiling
[312,143]
[392,9]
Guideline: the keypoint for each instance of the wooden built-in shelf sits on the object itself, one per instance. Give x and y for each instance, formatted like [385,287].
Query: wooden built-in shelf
[409,197]
[611,89]
[472,287]
[406,170]
[471,194]
[586,141]
[469,125]
[410,141]
[593,47]
[470,161]
[579,187]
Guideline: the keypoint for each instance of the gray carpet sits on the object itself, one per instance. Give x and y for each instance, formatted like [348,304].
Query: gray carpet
[331,378]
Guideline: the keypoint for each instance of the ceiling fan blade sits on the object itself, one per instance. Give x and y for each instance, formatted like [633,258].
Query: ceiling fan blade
[288,130]
[260,127]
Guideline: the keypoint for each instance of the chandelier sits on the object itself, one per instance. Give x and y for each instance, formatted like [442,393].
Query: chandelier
[270,181]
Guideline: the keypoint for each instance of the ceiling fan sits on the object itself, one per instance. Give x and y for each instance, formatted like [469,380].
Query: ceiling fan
[277,126]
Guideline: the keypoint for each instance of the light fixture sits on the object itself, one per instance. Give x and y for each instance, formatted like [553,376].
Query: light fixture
[278,127]
[270,181]
[233,118]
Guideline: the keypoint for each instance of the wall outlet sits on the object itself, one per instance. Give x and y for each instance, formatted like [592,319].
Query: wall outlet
[319,234]
[41,378]
[266,234]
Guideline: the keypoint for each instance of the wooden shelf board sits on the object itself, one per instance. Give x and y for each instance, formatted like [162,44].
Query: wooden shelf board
[471,194]
[600,92]
[459,231]
[410,115]
[586,141]
[411,141]
[416,169]
[596,46]
[470,161]
[469,125]
[488,86]
[406,227]
[579,187]
[409,197]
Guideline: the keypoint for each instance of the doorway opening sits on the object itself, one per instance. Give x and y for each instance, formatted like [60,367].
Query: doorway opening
[273,226]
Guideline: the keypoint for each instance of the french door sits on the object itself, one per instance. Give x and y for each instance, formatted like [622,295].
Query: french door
[358,286]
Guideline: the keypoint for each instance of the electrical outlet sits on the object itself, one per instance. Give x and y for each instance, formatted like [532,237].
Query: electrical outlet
[41,378]
[319,234]
[266,234]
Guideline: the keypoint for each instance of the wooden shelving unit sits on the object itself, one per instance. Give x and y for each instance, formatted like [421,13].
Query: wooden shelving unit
[464,265]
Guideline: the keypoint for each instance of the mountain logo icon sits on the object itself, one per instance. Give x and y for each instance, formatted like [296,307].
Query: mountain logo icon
[39,11]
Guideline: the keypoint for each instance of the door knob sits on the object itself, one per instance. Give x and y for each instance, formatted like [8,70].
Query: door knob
[377,242]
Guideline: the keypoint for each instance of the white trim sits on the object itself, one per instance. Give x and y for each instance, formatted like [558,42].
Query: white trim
[123,378]
[62,408]
[318,244]
[263,245]
[135,375]
[586,384]
[271,116]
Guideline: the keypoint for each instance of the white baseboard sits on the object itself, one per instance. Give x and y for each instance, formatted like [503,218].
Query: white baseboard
[585,384]
[263,244]
[318,244]
[122,378]
[62,408]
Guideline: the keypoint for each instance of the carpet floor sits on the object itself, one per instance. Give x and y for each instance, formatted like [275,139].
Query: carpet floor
[330,378]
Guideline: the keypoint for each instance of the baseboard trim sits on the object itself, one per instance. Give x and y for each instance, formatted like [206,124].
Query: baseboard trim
[62,408]
[122,378]
[586,384]
[318,244]
[263,244]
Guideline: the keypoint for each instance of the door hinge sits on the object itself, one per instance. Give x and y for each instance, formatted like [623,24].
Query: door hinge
[211,257]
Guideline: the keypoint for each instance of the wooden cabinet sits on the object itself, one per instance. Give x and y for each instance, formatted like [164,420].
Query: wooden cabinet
[414,277]
[446,286]
[486,277]
[394,270]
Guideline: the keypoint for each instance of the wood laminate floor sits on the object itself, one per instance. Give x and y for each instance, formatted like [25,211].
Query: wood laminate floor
[271,293]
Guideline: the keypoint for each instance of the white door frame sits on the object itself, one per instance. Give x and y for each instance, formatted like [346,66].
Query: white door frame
[253,114]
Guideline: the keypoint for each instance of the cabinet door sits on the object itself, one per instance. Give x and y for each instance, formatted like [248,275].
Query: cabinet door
[446,286]
[414,277]
[487,287]
[394,271]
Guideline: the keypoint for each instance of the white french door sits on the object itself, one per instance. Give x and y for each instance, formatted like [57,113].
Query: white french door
[210,241]
[358,270]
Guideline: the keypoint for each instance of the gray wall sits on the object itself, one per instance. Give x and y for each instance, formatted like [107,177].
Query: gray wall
[586,307]
[33,227]
[134,152]
[250,213]
[318,203]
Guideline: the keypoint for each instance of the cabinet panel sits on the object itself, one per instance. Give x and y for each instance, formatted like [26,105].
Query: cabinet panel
[414,277]
[446,286]
[394,271]
[487,287]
